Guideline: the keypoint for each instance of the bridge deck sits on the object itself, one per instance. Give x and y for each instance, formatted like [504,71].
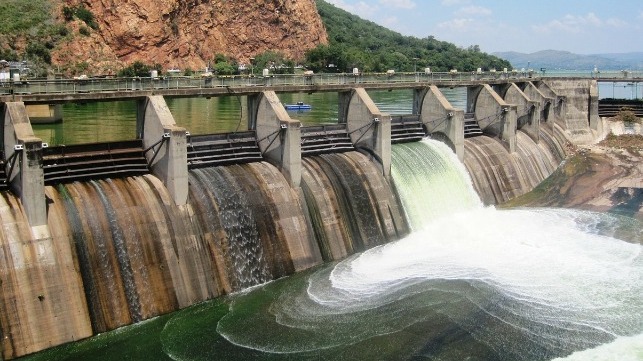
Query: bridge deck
[62,91]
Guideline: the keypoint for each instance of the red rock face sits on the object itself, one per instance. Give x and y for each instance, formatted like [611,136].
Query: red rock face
[188,33]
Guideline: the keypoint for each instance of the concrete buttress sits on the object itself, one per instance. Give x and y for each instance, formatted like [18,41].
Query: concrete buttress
[166,144]
[439,116]
[278,135]
[368,128]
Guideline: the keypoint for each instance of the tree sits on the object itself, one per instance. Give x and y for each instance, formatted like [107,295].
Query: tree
[140,69]
[224,65]
[274,61]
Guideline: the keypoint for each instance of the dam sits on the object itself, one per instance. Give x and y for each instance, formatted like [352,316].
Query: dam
[96,237]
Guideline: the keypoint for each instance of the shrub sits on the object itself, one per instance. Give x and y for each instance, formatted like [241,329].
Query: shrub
[68,13]
[8,54]
[86,16]
[627,115]
[39,51]
[140,69]
[82,14]
[83,30]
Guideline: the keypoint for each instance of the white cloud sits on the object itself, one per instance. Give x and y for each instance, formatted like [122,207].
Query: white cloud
[404,4]
[460,24]
[454,2]
[570,24]
[473,11]
[616,22]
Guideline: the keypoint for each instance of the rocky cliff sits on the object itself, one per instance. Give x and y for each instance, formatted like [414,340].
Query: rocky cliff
[188,33]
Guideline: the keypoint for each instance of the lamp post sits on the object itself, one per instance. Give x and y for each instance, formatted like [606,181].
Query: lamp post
[252,66]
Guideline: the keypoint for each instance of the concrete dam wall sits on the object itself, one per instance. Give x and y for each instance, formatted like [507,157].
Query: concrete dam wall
[113,252]
[120,251]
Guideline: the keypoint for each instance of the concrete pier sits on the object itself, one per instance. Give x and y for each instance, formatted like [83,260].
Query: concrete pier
[278,135]
[495,116]
[368,128]
[440,117]
[528,111]
[546,104]
[166,145]
[24,150]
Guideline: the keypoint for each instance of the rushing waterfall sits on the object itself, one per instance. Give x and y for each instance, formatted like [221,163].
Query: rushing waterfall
[431,183]
[241,247]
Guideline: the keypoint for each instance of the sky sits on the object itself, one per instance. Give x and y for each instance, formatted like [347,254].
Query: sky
[578,26]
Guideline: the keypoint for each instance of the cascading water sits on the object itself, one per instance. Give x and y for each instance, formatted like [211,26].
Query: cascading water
[431,184]
[241,246]
[122,256]
[351,204]
[469,283]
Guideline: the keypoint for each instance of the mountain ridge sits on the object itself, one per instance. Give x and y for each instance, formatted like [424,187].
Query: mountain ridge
[565,60]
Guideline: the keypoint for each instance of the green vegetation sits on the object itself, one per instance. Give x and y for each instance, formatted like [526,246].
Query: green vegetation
[82,14]
[224,65]
[358,43]
[83,30]
[31,20]
[20,16]
[276,62]
[139,69]
[627,115]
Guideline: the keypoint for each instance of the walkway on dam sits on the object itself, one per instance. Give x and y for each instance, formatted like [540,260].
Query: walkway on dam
[109,89]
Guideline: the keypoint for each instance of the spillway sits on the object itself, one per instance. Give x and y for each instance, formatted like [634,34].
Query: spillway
[419,266]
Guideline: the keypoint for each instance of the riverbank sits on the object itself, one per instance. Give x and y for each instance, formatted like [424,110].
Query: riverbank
[604,177]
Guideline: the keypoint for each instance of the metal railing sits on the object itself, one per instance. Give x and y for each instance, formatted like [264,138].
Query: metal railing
[112,85]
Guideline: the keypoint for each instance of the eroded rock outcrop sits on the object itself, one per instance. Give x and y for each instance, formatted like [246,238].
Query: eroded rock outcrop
[189,33]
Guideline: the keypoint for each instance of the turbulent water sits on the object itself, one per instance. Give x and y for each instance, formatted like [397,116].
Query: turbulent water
[473,283]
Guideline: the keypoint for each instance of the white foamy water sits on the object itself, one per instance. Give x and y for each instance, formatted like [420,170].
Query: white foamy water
[548,269]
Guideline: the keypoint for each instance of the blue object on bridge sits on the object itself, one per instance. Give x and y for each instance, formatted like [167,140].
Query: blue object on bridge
[298,106]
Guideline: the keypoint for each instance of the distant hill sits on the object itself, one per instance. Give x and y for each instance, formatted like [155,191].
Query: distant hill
[556,59]
[356,42]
